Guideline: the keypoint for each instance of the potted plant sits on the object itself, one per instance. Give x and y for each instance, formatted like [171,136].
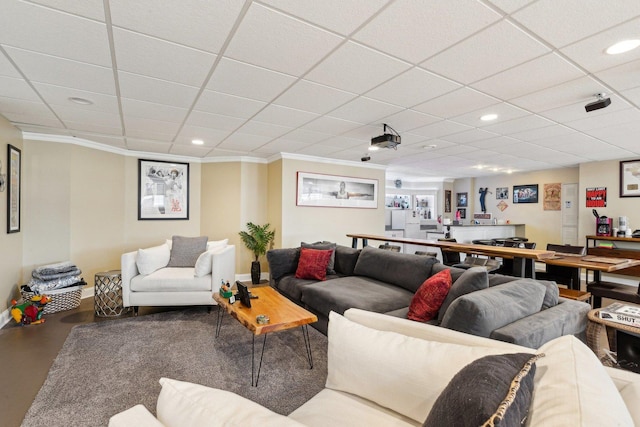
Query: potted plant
[257,241]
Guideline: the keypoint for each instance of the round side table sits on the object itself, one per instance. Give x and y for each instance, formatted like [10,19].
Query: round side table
[108,294]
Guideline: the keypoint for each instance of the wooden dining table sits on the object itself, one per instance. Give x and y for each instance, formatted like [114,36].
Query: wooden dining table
[597,264]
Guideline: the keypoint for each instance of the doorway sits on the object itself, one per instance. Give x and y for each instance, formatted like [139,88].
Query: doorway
[570,214]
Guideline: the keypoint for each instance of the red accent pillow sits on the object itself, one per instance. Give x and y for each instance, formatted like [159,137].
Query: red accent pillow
[427,300]
[313,263]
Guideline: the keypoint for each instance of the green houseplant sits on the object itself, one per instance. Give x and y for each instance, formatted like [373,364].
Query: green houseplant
[257,240]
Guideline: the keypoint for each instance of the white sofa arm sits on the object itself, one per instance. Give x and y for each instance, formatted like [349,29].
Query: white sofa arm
[183,404]
[137,416]
[128,270]
[223,267]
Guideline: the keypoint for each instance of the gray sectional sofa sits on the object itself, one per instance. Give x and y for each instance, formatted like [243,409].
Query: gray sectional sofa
[521,311]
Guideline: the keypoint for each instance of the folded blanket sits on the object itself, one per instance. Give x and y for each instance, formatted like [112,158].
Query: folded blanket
[56,271]
[42,286]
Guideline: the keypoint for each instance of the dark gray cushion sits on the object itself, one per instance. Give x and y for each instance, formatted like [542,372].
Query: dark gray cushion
[354,291]
[186,250]
[291,287]
[323,246]
[499,279]
[282,262]
[479,313]
[471,280]
[406,270]
[497,388]
[455,271]
[346,259]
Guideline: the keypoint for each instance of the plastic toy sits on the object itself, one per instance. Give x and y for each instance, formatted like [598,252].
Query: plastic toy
[29,312]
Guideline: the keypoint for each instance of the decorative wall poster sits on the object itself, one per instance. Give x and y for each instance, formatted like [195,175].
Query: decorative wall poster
[462,200]
[316,189]
[552,193]
[447,201]
[597,197]
[525,193]
[463,213]
[502,205]
[630,178]
[163,190]
[14,176]
[502,193]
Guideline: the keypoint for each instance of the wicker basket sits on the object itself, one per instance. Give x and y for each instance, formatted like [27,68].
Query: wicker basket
[61,299]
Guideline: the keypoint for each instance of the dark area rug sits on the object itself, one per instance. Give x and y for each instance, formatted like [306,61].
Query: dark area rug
[107,367]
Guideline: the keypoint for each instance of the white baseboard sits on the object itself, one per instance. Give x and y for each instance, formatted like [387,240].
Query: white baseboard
[5,317]
[247,277]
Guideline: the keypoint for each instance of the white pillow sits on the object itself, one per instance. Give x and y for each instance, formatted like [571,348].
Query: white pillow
[398,372]
[211,244]
[152,259]
[572,388]
[205,261]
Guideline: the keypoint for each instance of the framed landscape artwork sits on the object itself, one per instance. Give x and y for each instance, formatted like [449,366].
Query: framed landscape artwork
[163,190]
[335,191]
[630,178]
[14,176]
[525,193]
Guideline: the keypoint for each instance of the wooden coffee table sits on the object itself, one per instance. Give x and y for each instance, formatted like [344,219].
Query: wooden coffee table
[601,335]
[283,314]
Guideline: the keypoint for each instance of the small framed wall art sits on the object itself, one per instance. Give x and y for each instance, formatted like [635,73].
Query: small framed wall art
[14,177]
[630,178]
[163,190]
[314,189]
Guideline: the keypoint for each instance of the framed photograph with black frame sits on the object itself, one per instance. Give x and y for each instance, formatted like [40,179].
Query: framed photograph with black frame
[314,189]
[462,199]
[163,190]
[14,178]
[525,193]
[630,178]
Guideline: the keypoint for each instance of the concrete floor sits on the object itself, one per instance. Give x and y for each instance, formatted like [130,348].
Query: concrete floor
[27,353]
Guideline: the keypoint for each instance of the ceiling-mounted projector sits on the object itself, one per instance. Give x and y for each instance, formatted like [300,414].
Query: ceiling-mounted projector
[602,102]
[386,140]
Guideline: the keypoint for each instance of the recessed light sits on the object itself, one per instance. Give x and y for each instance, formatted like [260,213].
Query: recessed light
[81,101]
[197,142]
[488,117]
[623,46]
[430,146]
[373,148]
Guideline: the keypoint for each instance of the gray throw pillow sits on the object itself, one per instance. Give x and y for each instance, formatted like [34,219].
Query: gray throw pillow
[471,280]
[186,250]
[346,259]
[323,246]
[282,262]
[493,390]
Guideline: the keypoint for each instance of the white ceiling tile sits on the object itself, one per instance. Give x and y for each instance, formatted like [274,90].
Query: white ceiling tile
[413,87]
[211,137]
[47,31]
[496,143]
[469,136]
[577,111]
[409,119]
[189,150]
[148,110]
[416,30]
[342,16]
[562,23]
[17,88]
[254,127]
[633,95]
[143,88]
[6,67]
[313,97]
[92,9]
[152,146]
[62,72]
[508,127]
[148,132]
[331,125]
[44,119]
[49,130]
[22,106]
[538,74]
[305,136]
[622,77]
[272,40]
[440,129]
[489,52]
[540,133]
[624,135]
[148,56]
[228,105]
[510,6]
[214,121]
[590,53]
[364,110]
[356,68]
[504,111]
[244,142]
[60,95]
[135,125]
[317,150]
[281,146]
[343,142]
[568,93]
[284,116]
[606,119]
[249,81]
[112,141]
[200,24]
[456,103]
[78,113]
[92,127]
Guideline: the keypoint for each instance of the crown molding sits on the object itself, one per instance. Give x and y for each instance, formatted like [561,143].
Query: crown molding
[306,158]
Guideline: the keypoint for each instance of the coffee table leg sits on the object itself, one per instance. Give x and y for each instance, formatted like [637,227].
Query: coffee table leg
[219,320]
[307,345]
[253,350]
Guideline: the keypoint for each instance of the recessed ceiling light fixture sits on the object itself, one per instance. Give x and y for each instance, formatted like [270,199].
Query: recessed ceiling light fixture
[430,146]
[197,142]
[81,101]
[623,46]
[489,117]
[373,148]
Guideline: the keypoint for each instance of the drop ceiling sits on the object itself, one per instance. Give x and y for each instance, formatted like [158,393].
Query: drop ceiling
[320,78]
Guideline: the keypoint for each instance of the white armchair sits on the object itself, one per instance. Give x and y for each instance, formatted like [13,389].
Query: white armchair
[174,286]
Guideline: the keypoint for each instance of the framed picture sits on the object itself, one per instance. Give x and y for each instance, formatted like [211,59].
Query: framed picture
[462,200]
[525,193]
[502,193]
[551,196]
[447,201]
[630,178]
[335,191]
[163,190]
[463,213]
[14,178]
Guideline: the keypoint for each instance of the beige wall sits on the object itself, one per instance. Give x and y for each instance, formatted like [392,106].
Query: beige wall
[10,244]
[274,206]
[542,226]
[309,224]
